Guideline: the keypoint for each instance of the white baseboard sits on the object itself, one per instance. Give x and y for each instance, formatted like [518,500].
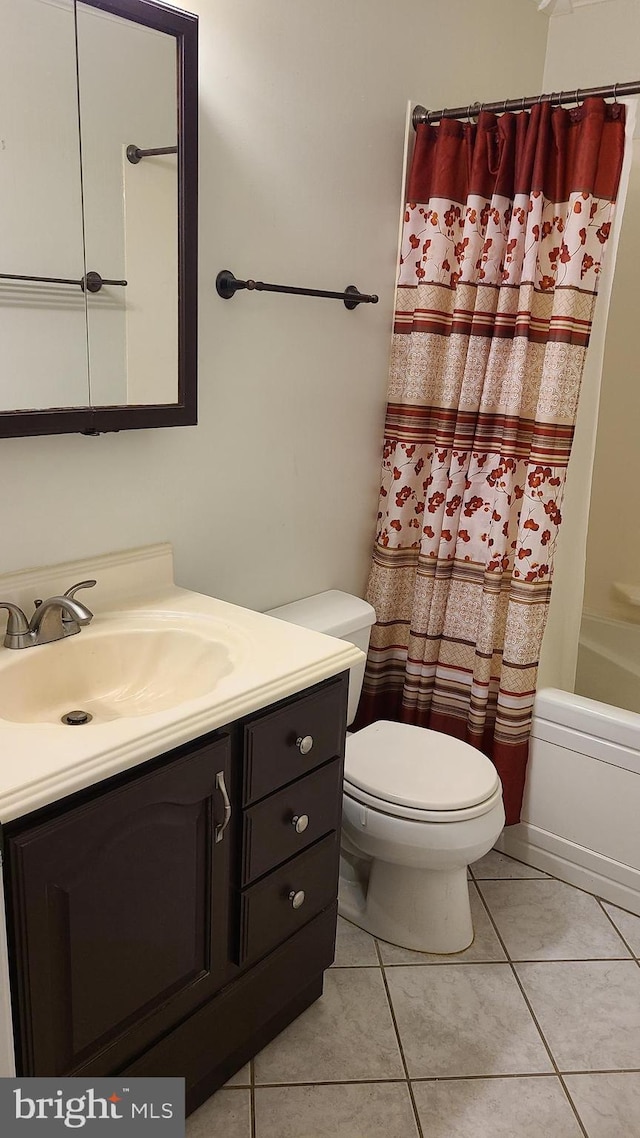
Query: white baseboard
[591,871]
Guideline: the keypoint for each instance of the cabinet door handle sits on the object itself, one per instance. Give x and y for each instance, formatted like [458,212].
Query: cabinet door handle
[220,785]
[300,823]
[297,899]
[304,744]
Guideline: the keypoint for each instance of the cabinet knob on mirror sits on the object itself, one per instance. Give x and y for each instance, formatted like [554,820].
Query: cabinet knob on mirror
[304,744]
[297,899]
[300,823]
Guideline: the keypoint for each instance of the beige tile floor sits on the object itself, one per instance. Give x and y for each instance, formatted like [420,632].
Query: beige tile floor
[533,1032]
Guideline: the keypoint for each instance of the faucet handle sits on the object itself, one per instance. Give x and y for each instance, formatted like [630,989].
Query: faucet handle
[81,585]
[69,621]
[17,626]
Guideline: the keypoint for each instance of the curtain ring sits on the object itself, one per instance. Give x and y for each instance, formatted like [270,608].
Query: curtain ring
[577,96]
[504,106]
[523,103]
[615,92]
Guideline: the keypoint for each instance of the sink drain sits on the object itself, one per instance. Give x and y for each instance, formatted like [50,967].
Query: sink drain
[76,718]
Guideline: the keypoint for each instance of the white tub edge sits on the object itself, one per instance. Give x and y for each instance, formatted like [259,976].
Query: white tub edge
[556,712]
[570,827]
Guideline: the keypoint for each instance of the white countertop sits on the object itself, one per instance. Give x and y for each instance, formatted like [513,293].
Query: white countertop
[44,761]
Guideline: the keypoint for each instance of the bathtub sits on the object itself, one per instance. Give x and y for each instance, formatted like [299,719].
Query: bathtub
[581,810]
[609,661]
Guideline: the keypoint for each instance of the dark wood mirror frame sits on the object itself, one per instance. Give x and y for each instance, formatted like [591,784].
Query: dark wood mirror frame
[98,420]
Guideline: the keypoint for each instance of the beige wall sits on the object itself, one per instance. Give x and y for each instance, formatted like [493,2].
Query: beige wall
[274,494]
[613,545]
[600,43]
[596,44]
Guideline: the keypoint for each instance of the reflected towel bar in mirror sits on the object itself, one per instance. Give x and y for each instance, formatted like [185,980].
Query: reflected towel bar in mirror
[227,285]
[135,154]
[90,282]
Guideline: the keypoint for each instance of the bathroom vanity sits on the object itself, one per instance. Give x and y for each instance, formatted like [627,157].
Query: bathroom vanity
[169,909]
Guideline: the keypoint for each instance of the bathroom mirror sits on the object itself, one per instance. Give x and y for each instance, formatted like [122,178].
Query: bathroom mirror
[98,216]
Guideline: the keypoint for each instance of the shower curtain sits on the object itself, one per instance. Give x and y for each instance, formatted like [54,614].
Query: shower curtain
[504,235]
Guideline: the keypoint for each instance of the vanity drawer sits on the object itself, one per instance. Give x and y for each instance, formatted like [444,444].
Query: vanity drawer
[269,833]
[268,915]
[285,744]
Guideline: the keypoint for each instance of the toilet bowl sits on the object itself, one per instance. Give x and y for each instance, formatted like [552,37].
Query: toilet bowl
[418,808]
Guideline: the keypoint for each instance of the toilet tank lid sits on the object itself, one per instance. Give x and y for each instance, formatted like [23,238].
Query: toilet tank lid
[334,613]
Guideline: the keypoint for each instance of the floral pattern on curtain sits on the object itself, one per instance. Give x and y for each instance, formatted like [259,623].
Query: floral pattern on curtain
[504,235]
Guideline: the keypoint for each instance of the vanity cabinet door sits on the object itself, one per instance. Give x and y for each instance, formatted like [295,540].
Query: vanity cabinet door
[121,916]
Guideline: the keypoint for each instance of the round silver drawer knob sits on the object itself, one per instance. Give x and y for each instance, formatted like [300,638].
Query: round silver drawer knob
[297,899]
[304,744]
[300,823]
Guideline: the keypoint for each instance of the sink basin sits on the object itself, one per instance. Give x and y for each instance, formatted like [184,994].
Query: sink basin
[126,667]
[159,667]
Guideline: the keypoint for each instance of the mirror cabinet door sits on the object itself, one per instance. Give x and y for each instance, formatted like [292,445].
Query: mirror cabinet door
[85,86]
[128,98]
[42,325]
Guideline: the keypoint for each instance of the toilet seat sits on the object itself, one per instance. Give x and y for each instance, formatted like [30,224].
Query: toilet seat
[412,772]
[393,810]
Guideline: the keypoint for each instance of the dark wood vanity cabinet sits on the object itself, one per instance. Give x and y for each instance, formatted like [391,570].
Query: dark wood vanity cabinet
[139,943]
[121,919]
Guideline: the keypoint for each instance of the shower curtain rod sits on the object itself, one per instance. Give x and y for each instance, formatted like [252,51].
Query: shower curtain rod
[557,99]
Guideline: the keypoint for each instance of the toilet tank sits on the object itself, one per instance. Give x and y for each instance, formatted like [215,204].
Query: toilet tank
[340,615]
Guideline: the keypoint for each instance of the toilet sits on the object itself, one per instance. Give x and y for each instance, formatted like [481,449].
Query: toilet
[418,808]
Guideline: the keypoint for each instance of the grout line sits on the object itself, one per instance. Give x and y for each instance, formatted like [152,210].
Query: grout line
[350,967]
[400,1047]
[570,960]
[535,1019]
[252,1098]
[440,963]
[519,960]
[604,901]
[509,857]
[525,1075]
[611,920]
[442,1078]
[338,967]
[397,1081]
[539,877]
[607,1071]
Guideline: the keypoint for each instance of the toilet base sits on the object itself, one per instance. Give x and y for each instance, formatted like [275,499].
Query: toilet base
[424,910]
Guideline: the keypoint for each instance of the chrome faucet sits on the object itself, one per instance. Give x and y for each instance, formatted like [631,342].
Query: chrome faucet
[53,619]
